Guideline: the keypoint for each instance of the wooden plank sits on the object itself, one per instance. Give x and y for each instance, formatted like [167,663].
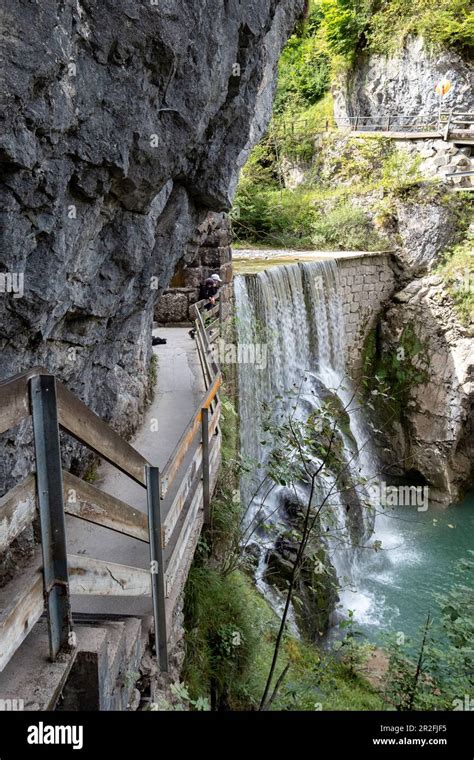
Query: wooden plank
[101,578]
[14,398]
[212,324]
[212,392]
[177,457]
[179,500]
[85,426]
[179,578]
[203,356]
[21,606]
[215,462]
[207,352]
[199,305]
[182,541]
[187,482]
[208,313]
[17,510]
[87,502]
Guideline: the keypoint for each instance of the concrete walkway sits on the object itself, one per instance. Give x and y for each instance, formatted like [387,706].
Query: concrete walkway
[180,387]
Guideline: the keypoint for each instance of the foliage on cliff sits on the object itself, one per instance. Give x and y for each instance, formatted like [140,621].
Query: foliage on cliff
[457,270]
[231,629]
[381,26]
[321,213]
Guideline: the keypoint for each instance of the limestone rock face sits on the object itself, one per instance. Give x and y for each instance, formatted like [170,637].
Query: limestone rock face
[404,84]
[126,124]
[436,438]
[426,229]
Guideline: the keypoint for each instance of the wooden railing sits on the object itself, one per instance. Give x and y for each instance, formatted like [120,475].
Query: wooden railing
[178,501]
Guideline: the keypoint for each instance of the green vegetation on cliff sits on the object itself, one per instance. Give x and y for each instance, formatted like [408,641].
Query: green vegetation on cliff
[320,213]
[458,271]
[304,187]
[381,26]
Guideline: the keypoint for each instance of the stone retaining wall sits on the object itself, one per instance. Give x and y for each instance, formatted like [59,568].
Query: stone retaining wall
[440,158]
[367,282]
[214,256]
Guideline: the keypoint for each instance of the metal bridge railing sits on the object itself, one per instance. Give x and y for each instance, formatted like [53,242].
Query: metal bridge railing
[440,123]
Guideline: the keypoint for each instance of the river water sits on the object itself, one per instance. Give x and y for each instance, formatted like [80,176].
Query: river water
[420,561]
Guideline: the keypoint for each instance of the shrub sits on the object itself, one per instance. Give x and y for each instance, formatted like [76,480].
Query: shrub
[304,71]
[442,22]
[458,272]
[400,172]
[344,23]
[347,228]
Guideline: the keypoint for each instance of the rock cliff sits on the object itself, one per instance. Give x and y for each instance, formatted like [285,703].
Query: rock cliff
[404,84]
[433,436]
[125,124]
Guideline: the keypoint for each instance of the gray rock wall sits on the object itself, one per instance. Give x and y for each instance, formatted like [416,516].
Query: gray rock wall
[214,256]
[435,436]
[404,84]
[126,123]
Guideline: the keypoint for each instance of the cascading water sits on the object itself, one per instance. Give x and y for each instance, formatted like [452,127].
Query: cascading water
[293,314]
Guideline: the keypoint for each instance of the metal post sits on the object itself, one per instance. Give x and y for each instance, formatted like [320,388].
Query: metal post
[205,465]
[158,590]
[49,484]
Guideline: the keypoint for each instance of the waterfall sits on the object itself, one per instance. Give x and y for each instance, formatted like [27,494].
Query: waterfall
[293,313]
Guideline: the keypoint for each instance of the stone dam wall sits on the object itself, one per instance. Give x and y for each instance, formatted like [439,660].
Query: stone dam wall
[367,283]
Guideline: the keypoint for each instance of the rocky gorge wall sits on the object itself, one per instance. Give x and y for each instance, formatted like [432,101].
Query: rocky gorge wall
[432,353]
[403,84]
[126,125]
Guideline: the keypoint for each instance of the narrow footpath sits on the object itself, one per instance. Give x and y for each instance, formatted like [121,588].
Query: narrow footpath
[179,388]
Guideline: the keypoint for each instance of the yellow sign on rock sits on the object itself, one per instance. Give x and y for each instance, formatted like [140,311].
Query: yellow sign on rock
[443,87]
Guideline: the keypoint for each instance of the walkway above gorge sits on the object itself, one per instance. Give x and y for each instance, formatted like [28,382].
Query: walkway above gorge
[114,553]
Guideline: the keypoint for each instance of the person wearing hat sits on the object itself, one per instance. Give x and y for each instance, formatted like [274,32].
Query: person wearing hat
[209,290]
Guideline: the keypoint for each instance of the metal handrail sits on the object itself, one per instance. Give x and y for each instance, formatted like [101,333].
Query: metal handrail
[378,123]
